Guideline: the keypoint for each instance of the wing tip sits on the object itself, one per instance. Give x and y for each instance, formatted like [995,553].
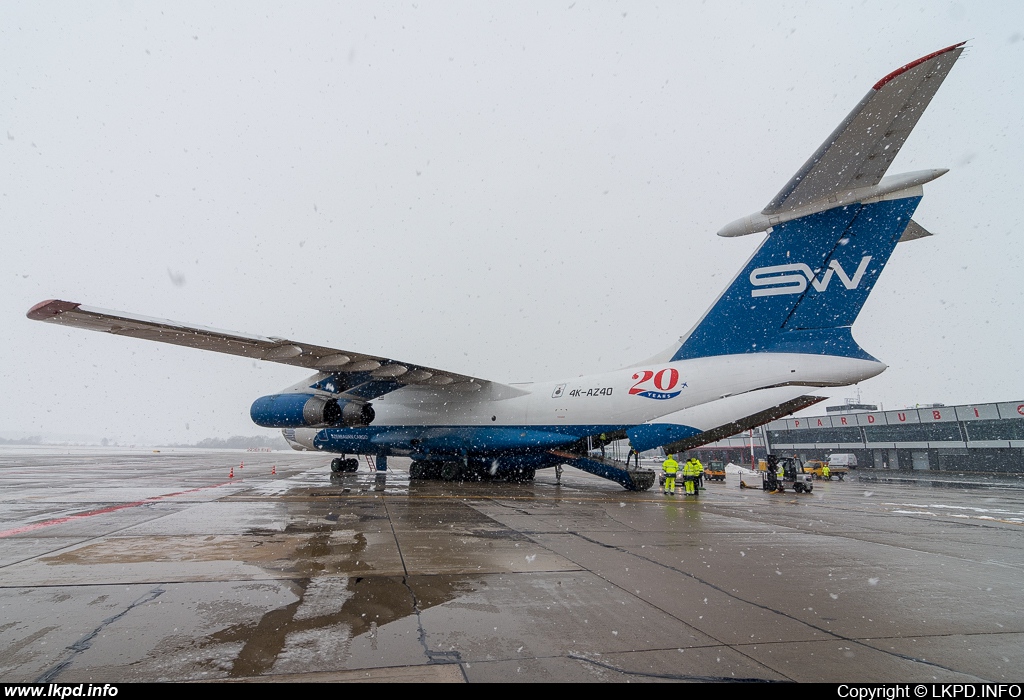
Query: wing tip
[913,64]
[49,309]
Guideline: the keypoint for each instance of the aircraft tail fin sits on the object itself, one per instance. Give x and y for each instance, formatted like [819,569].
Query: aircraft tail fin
[830,231]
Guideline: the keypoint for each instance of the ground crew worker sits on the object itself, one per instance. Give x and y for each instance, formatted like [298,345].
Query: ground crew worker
[690,475]
[670,466]
[692,464]
[634,454]
[602,440]
[699,472]
[826,473]
[771,470]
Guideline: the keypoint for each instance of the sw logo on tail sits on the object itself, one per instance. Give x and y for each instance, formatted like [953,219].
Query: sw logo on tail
[795,284]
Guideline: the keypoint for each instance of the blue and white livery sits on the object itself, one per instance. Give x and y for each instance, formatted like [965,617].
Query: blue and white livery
[779,330]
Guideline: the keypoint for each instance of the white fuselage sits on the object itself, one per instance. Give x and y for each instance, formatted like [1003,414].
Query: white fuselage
[702,394]
[607,399]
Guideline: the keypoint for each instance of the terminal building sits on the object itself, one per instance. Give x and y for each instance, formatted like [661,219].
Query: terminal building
[973,437]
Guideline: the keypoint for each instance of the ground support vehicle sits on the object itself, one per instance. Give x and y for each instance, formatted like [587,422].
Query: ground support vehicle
[792,476]
[845,460]
[715,471]
[816,467]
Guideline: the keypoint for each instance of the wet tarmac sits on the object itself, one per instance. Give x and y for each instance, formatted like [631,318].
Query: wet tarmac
[121,565]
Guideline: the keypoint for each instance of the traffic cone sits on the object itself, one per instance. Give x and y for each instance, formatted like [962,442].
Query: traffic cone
[273,470]
[242,465]
[231,474]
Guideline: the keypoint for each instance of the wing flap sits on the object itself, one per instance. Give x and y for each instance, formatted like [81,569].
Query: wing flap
[862,147]
[359,369]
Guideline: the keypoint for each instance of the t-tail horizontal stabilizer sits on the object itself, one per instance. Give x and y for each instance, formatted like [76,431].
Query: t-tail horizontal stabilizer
[860,150]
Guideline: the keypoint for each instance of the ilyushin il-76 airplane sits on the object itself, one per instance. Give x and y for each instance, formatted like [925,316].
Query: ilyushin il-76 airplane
[779,331]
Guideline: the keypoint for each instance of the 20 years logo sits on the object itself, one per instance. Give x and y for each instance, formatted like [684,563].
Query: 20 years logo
[661,384]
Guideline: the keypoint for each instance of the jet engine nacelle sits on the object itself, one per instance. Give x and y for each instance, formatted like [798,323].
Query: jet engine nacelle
[309,411]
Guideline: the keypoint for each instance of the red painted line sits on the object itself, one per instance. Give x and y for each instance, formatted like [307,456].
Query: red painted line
[100,511]
[900,71]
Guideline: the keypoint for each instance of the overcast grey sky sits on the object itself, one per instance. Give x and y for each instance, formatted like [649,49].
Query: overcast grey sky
[516,191]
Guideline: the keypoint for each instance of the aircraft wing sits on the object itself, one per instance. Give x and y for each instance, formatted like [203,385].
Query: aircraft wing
[860,150]
[356,375]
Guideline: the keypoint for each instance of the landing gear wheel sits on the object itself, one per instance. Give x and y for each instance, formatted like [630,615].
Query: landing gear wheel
[450,471]
[350,465]
[423,469]
[336,465]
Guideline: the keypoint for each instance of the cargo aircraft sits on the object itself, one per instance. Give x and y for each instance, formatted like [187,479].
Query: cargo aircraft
[779,331]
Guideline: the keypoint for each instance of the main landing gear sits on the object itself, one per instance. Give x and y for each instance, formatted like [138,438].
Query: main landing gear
[340,465]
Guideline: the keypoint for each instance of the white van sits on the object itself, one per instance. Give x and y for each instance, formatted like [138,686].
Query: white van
[843,459]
